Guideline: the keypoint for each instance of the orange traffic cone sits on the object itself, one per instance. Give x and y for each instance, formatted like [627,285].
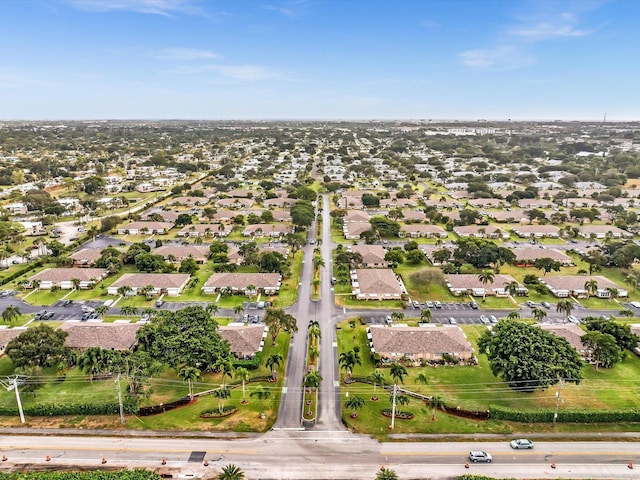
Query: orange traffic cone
[382,468]
[553,465]
[466,465]
[48,458]
[630,465]
[4,458]
[206,463]
[104,460]
[164,461]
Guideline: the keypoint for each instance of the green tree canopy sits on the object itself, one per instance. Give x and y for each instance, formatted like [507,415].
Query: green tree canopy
[185,337]
[528,357]
[40,346]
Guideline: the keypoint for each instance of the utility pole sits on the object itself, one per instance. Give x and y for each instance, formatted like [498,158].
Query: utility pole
[120,399]
[15,386]
[560,385]
[393,408]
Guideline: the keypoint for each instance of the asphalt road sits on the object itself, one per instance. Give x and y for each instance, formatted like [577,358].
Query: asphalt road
[326,455]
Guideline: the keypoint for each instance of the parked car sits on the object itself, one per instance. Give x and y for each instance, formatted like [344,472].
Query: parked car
[416,304]
[493,319]
[573,319]
[437,304]
[452,321]
[473,305]
[144,317]
[39,315]
[388,320]
[484,319]
[521,443]
[545,304]
[429,305]
[159,303]
[479,456]
[48,315]
[66,303]
[87,309]
[531,304]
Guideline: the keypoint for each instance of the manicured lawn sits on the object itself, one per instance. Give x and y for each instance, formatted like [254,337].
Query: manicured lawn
[289,289]
[45,297]
[476,388]
[18,322]
[600,304]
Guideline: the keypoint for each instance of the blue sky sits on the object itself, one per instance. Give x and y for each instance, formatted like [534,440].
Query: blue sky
[319,59]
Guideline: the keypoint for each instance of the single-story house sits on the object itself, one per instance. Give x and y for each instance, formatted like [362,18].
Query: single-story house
[225,216]
[481,231]
[429,342]
[267,283]
[267,229]
[234,202]
[85,257]
[575,286]
[353,230]
[168,216]
[427,231]
[177,253]
[234,252]
[17,208]
[413,216]
[537,231]
[281,215]
[470,284]
[205,230]
[243,193]
[397,202]
[189,201]
[571,332]
[64,277]
[372,255]
[485,202]
[356,216]
[8,334]
[376,284]
[111,336]
[525,256]
[280,202]
[171,284]
[145,228]
[602,231]
[244,341]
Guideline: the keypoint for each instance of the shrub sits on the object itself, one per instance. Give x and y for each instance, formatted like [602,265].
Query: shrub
[216,413]
[565,416]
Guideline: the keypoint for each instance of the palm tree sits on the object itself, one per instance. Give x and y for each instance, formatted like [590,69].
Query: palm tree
[313,379]
[189,374]
[486,277]
[124,290]
[564,307]
[613,293]
[539,314]
[238,310]
[250,291]
[243,374]
[354,403]
[397,316]
[398,372]
[591,287]
[273,361]
[632,280]
[401,399]
[129,310]
[224,365]
[76,283]
[151,312]
[348,360]
[513,316]
[436,401]
[212,309]
[314,333]
[376,378]
[425,315]
[221,394]
[314,353]
[148,291]
[35,284]
[10,314]
[89,361]
[261,393]
[512,287]
[231,472]
[102,310]
[386,474]
[422,378]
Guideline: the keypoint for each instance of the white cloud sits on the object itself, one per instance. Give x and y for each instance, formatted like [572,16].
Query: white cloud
[185,54]
[14,79]
[291,8]
[155,7]
[245,73]
[501,57]
[548,30]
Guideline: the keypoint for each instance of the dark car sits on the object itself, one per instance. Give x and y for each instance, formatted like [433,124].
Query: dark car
[159,303]
[473,305]
[66,303]
[48,316]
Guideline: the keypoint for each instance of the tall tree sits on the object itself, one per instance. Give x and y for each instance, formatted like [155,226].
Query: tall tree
[278,321]
[529,358]
[40,346]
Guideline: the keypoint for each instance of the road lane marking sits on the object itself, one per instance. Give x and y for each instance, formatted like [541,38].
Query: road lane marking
[124,448]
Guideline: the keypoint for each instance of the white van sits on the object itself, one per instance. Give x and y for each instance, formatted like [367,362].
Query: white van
[635,304]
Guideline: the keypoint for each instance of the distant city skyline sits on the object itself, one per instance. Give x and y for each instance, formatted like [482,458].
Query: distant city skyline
[319,59]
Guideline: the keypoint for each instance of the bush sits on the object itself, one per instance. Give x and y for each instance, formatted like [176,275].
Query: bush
[252,364]
[19,273]
[565,416]
[400,415]
[137,474]
[60,409]
[216,413]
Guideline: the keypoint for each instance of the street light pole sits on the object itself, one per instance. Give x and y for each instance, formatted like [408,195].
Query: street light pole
[15,386]
[393,408]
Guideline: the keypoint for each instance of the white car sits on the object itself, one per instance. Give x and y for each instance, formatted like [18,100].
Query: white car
[479,456]
[521,443]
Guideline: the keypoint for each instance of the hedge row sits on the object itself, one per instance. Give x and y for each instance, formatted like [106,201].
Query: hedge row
[137,474]
[22,271]
[565,416]
[164,407]
[60,409]
[252,364]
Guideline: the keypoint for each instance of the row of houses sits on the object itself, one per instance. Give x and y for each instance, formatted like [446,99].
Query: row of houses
[154,284]
[212,230]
